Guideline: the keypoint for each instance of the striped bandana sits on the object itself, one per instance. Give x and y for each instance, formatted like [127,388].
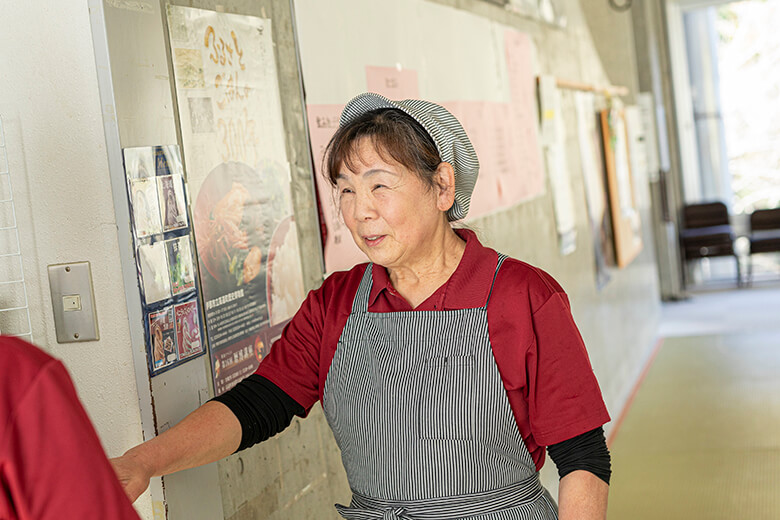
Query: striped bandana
[448,134]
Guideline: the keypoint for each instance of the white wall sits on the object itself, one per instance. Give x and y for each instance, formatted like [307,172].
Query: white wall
[56,146]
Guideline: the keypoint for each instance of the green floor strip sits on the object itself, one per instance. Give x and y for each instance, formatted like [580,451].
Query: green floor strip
[702,437]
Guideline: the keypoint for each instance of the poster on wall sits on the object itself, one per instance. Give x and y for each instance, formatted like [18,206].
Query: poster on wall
[550,101]
[179,254]
[157,195]
[139,162]
[238,173]
[623,208]
[594,175]
[155,279]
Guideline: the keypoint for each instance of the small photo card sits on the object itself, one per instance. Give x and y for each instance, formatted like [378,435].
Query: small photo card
[162,334]
[188,329]
[146,208]
[167,160]
[172,207]
[154,272]
[180,264]
[139,162]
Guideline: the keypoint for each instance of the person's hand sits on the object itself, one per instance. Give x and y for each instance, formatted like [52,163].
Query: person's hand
[133,476]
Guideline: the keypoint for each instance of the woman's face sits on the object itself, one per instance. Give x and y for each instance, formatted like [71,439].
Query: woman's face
[392,214]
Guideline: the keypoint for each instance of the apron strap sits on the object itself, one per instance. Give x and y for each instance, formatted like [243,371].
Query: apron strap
[360,303]
[501,258]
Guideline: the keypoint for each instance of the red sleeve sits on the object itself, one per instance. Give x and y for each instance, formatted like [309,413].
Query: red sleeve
[542,359]
[293,362]
[564,398]
[299,360]
[52,465]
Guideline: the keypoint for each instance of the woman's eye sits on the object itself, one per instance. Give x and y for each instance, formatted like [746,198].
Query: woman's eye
[344,191]
[377,186]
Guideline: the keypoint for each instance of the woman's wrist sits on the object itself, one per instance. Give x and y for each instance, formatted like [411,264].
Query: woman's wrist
[143,459]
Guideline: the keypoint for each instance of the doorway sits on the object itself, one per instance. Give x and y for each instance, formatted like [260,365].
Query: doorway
[724,60]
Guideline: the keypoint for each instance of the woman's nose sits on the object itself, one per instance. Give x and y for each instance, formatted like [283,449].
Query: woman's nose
[364,208]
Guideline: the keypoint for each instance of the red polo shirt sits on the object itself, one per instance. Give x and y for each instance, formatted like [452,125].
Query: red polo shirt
[539,351]
[52,465]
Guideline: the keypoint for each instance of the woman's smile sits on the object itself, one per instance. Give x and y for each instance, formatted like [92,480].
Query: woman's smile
[373,240]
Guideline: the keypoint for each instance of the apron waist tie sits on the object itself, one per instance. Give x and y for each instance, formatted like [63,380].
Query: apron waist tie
[356,513]
[444,508]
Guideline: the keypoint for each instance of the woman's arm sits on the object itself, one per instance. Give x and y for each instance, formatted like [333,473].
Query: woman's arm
[584,467]
[206,435]
[582,496]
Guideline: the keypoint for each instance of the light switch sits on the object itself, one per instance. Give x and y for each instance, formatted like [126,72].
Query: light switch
[73,302]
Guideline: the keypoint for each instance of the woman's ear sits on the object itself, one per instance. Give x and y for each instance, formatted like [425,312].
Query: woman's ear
[445,182]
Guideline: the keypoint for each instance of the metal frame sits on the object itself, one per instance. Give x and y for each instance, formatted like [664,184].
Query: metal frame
[5,171]
[315,196]
[127,258]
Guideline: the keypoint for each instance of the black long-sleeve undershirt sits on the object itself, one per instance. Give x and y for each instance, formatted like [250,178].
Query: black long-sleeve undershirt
[586,451]
[264,409]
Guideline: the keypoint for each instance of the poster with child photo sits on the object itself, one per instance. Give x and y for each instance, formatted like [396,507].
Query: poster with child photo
[188,329]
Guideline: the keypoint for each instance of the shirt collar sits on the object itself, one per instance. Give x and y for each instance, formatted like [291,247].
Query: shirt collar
[478,264]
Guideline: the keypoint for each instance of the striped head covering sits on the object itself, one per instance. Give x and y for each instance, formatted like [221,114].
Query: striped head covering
[448,134]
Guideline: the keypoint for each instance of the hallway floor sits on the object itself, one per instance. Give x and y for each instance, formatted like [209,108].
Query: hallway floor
[702,437]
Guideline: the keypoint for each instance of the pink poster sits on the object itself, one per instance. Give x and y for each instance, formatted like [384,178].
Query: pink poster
[393,83]
[484,123]
[526,178]
[340,251]
[504,136]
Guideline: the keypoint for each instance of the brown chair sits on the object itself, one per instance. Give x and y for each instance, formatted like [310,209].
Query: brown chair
[764,234]
[707,232]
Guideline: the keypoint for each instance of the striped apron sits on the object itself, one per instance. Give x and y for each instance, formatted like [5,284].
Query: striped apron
[420,413]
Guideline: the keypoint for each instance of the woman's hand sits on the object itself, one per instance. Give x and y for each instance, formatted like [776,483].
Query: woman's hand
[133,475]
[206,435]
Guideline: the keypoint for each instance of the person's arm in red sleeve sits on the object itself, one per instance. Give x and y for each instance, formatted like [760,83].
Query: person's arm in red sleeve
[564,396]
[565,401]
[293,363]
[52,465]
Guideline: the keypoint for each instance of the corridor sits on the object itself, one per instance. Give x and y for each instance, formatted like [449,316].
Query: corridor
[701,439]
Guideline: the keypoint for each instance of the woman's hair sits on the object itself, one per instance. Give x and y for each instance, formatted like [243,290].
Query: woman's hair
[394,134]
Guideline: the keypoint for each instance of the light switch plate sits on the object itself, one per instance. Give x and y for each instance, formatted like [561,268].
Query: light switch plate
[73,302]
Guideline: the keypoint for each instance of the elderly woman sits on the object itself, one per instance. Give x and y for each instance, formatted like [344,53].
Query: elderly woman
[444,368]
